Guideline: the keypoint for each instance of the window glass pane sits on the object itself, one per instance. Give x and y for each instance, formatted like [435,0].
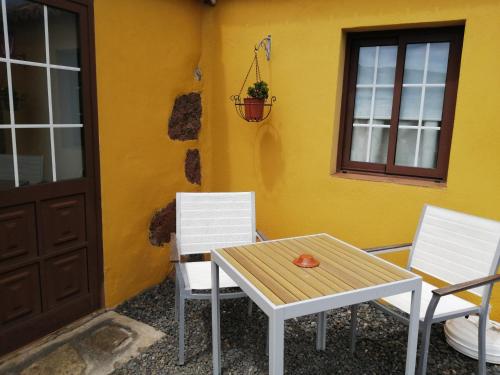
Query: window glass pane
[414,63]
[63,37]
[433,106]
[26,30]
[4,96]
[359,143]
[65,96]
[427,153]
[438,62]
[379,144]
[387,64]
[33,156]
[69,153]
[6,160]
[406,147]
[366,65]
[383,105]
[410,103]
[30,87]
[362,104]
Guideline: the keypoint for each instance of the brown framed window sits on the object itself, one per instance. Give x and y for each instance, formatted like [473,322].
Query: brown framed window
[399,100]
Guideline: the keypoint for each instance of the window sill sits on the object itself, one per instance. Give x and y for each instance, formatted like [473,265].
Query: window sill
[391,179]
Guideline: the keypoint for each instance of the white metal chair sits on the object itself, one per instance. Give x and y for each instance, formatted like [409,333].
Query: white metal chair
[459,249]
[207,221]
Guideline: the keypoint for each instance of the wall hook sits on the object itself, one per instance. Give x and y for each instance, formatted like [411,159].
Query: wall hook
[266,44]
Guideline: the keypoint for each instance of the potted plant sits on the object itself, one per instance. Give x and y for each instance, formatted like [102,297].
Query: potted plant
[254,104]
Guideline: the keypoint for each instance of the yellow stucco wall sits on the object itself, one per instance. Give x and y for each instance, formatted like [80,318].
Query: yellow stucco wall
[146,53]
[286,160]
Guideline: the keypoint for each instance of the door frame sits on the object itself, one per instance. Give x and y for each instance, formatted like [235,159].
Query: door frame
[14,196]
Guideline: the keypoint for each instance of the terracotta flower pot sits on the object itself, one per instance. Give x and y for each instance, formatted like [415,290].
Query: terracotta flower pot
[254,109]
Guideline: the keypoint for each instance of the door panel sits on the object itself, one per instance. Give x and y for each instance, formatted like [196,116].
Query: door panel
[17,230]
[50,240]
[63,223]
[20,294]
[65,278]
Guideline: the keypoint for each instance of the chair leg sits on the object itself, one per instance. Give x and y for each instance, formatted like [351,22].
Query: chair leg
[177,292]
[481,359]
[181,328]
[267,337]
[424,349]
[250,307]
[354,326]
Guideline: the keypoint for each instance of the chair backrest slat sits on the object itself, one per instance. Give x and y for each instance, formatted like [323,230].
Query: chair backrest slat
[455,247]
[207,221]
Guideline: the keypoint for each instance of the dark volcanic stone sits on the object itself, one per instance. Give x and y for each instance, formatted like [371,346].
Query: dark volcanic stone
[162,225]
[185,121]
[192,166]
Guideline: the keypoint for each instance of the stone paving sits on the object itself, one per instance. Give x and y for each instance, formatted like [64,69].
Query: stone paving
[96,347]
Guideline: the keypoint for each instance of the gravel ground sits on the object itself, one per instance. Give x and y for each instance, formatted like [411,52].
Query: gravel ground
[381,347]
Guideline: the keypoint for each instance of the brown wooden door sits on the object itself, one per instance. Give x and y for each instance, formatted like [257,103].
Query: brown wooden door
[50,247]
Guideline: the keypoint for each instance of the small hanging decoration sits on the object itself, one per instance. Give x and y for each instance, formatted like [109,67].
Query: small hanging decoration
[252,107]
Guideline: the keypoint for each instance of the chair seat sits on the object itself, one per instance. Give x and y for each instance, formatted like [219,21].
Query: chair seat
[447,305]
[198,275]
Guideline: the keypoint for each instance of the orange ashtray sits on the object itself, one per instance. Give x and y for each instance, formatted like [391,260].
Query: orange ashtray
[306,261]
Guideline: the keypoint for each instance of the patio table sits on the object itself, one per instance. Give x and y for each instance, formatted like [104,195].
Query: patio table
[346,276]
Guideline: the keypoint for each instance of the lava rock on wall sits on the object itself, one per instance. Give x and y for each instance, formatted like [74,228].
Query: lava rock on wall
[185,121]
[162,225]
[192,166]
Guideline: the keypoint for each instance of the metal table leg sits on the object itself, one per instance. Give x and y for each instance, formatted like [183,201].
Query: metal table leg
[321,331]
[411,353]
[216,347]
[276,343]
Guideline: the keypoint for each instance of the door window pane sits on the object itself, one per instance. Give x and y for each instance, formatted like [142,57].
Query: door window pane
[69,153]
[7,180]
[63,36]
[66,96]
[33,156]
[2,39]
[4,96]
[26,30]
[30,87]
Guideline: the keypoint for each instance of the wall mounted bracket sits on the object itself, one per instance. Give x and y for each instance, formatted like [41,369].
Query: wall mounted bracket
[266,44]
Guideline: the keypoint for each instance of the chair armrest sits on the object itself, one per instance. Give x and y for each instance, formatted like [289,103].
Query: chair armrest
[441,292]
[261,236]
[174,252]
[388,249]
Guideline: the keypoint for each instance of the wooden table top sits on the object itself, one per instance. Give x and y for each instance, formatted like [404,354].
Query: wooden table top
[343,267]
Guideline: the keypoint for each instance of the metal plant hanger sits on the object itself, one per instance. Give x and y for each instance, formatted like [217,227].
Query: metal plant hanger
[246,108]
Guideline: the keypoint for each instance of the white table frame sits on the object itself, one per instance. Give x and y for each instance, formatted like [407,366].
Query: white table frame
[277,314]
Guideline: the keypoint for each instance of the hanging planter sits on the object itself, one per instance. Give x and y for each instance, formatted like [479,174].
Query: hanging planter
[257,106]
[254,104]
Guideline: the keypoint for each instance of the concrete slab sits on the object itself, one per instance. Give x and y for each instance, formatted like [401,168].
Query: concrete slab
[97,347]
